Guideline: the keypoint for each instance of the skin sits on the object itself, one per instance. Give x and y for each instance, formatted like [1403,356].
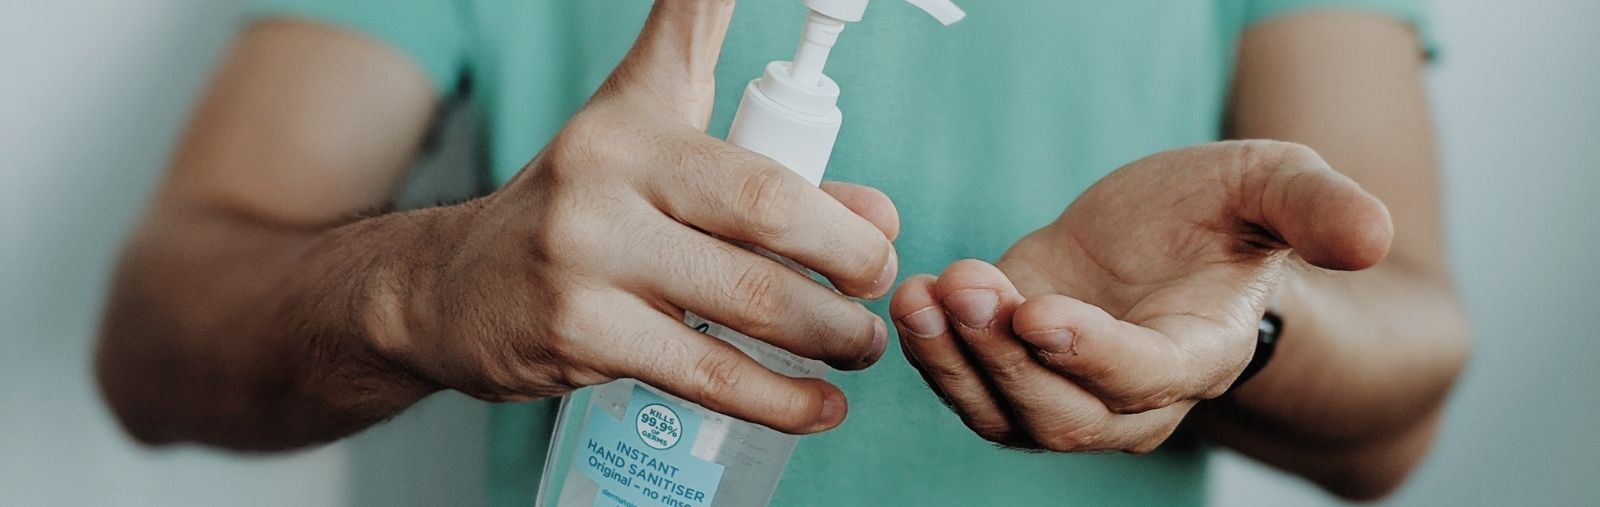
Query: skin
[1135,311]
[254,308]
[263,305]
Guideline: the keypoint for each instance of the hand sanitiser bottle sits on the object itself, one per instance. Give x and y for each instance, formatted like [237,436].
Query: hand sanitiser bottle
[625,443]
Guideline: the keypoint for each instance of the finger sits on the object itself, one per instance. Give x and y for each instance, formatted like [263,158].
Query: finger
[1324,215]
[930,346]
[979,300]
[1130,367]
[672,63]
[1057,413]
[869,203]
[762,298]
[670,356]
[738,194]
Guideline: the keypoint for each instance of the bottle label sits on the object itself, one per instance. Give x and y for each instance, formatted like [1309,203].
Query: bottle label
[644,459]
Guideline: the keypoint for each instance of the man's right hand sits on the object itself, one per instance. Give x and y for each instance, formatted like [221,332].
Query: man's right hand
[580,269]
[251,311]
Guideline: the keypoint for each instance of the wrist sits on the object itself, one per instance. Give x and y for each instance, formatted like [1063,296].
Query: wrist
[398,310]
[1283,396]
[1267,332]
[1264,376]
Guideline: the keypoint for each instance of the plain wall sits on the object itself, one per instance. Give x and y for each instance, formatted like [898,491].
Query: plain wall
[92,98]
[1516,94]
[94,94]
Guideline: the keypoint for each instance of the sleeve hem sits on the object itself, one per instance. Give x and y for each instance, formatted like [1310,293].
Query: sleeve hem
[1413,15]
[432,44]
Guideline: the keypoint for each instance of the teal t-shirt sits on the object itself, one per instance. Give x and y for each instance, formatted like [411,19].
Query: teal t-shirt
[980,133]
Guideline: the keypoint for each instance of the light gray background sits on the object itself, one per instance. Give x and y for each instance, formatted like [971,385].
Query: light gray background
[94,92]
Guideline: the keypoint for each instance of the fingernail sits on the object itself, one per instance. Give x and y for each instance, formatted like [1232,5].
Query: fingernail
[1055,340]
[885,279]
[832,410]
[925,323]
[974,308]
[880,342]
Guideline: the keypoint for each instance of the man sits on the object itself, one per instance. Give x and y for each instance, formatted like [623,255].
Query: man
[261,306]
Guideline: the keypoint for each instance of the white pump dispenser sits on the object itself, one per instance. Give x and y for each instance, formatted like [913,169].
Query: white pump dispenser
[791,113]
[626,443]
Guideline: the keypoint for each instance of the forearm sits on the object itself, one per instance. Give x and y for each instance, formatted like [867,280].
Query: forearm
[236,329]
[224,329]
[1352,397]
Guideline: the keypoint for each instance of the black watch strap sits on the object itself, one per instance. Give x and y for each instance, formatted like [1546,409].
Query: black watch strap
[1266,343]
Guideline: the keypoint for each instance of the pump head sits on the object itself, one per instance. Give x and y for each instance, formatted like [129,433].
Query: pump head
[827,19]
[791,112]
[850,11]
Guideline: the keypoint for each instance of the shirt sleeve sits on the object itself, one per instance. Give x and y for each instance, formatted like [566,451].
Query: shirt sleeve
[432,33]
[1409,11]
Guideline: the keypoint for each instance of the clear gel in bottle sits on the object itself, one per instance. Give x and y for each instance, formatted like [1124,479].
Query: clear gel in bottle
[625,443]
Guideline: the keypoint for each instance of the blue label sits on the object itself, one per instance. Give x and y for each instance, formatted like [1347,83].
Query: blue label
[644,459]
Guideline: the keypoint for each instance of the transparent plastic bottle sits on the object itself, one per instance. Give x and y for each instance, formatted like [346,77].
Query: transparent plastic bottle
[739,463]
[625,443]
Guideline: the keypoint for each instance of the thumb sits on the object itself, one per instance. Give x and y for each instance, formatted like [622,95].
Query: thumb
[1324,215]
[672,65]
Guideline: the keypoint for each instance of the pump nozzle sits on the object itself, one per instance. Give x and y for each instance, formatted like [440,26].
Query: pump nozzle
[850,11]
[943,10]
[827,19]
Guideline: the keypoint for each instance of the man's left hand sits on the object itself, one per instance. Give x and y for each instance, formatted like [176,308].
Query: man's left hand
[1100,331]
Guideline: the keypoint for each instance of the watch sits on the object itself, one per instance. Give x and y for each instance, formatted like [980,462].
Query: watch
[1266,343]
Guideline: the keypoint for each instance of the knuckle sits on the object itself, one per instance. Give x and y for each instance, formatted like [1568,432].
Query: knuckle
[1011,364]
[718,253]
[766,200]
[497,379]
[867,265]
[1138,402]
[855,252]
[1154,440]
[1145,446]
[756,292]
[718,376]
[1063,361]
[507,365]
[999,432]
[1131,405]
[853,340]
[509,379]
[1261,153]
[565,331]
[943,373]
[566,234]
[1296,152]
[578,145]
[691,151]
[1076,440]
[1214,390]
[797,402]
[1095,371]
[570,325]
[526,353]
[533,356]
[573,376]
